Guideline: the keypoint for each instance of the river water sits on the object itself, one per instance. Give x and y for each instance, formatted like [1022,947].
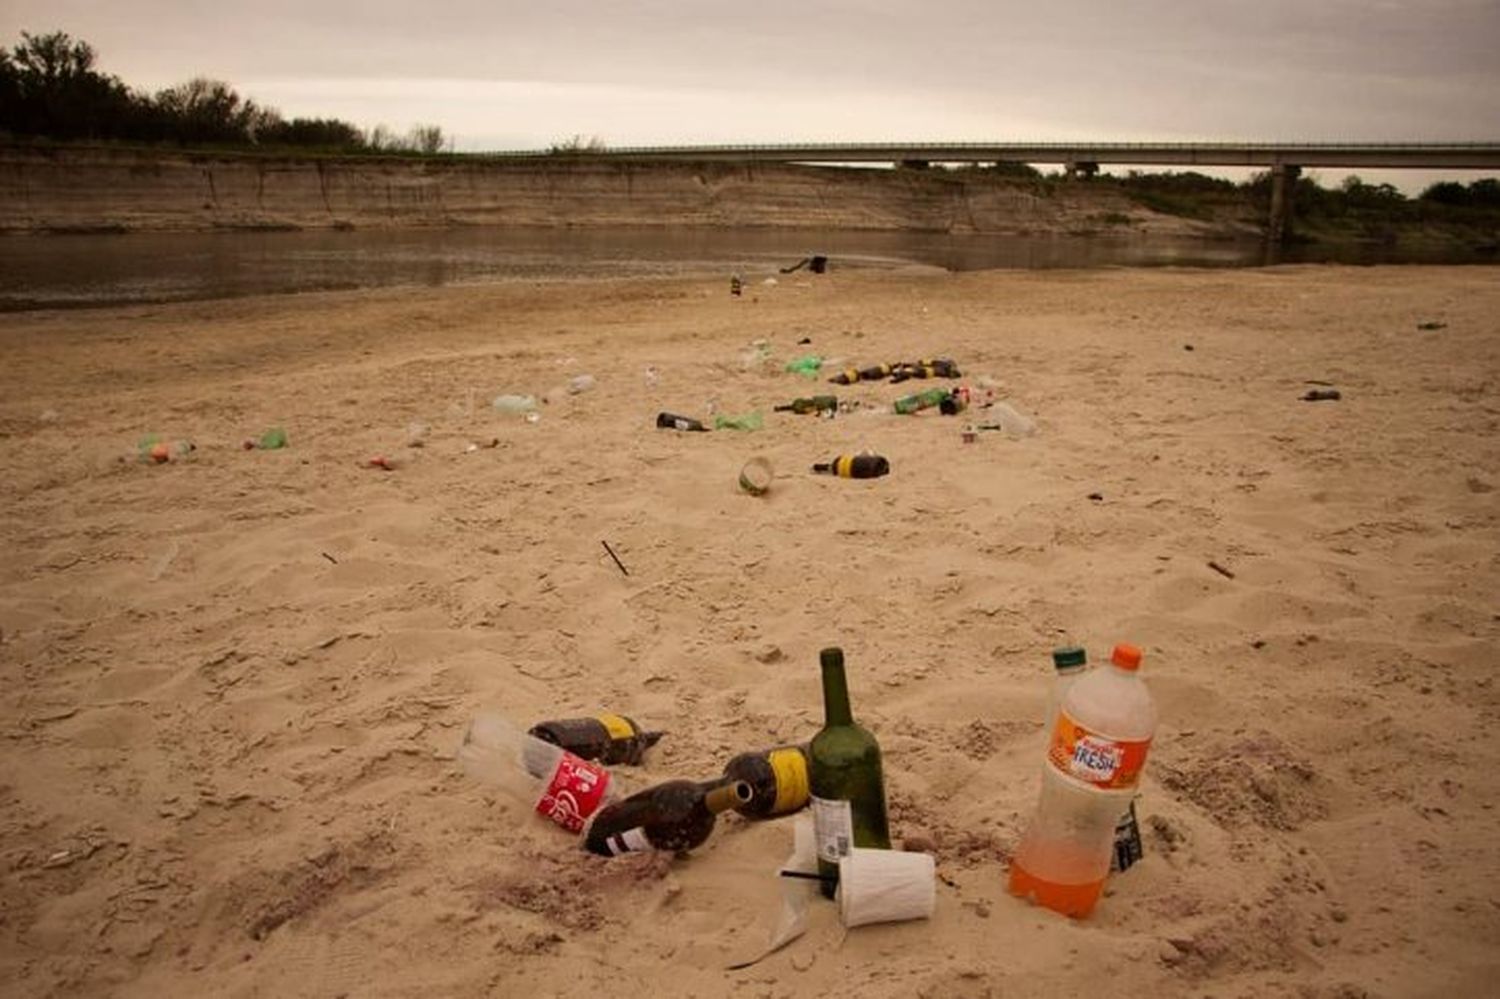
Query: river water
[59,271]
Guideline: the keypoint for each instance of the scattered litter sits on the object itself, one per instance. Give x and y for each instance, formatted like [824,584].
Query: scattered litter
[1216,567]
[970,435]
[653,377]
[272,440]
[514,403]
[612,555]
[771,281]
[416,434]
[579,384]
[745,421]
[533,417]
[329,558]
[1322,395]
[810,404]
[736,285]
[855,466]
[1432,326]
[1097,497]
[1009,421]
[806,339]
[807,365]
[671,421]
[756,476]
[152,450]
[381,461]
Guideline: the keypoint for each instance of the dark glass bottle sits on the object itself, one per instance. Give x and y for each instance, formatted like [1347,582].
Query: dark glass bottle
[844,771]
[608,738]
[777,779]
[675,816]
[855,466]
[810,404]
[671,421]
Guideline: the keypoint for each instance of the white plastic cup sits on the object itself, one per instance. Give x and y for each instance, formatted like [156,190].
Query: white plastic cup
[886,886]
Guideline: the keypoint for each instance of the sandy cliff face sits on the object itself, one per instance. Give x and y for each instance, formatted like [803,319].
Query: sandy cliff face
[102,189]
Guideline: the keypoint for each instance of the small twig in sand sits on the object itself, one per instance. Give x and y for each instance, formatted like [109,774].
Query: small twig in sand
[330,558]
[615,557]
[1216,567]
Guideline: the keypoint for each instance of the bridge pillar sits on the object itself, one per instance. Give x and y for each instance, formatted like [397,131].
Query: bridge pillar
[1283,183]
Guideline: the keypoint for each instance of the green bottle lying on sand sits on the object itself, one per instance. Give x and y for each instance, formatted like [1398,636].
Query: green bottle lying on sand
[810,404]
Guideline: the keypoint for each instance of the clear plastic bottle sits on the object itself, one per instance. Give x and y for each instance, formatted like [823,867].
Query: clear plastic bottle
[1094,762]
[566,789]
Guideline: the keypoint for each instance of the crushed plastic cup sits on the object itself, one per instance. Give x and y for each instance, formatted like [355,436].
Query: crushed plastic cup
[580,383]
[1011,421]
[514,403]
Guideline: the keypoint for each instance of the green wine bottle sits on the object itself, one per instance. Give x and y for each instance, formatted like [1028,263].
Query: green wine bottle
[810,404]
[921,401]
[848,790]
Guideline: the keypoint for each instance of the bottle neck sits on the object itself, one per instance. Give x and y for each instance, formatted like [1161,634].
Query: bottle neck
[835,690]
[726,796]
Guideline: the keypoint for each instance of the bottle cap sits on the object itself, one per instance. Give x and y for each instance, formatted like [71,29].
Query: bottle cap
[1069,656]
[1126,657]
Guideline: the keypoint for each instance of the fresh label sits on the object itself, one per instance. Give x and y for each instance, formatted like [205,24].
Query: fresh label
[575,792]
[629,841]
[617,727]
[790,768]
[833,827]
[1110,764]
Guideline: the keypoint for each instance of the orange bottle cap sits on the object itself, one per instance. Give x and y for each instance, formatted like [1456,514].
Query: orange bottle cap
[1126,657]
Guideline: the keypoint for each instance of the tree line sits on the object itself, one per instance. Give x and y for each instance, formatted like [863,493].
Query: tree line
[50,89]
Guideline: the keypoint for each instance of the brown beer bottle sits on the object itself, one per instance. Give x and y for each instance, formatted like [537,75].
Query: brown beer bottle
[855,466]
[675,816]
[777,779]
[608,738]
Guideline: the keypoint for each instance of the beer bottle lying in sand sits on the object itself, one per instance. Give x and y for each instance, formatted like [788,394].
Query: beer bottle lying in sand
[608,738]
[844,778]
[937,367]
[871,374]
[675,816]
[811,404]
[777,779]
[566,789]
[855,466]
[671,421]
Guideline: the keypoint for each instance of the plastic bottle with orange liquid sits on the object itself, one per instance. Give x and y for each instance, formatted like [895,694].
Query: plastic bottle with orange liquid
[1098,747]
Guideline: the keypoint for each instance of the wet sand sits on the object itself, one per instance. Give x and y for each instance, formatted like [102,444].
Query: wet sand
[235,684]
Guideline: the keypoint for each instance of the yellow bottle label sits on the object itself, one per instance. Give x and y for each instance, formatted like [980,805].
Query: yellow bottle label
[843,466]
[790,768]
[617,727]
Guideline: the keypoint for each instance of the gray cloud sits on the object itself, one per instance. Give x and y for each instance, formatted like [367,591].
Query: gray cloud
[667,71]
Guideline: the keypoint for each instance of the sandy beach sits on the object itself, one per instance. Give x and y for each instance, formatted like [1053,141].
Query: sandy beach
[235,684]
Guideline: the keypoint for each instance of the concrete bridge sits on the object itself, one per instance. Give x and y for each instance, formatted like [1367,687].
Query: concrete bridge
[1284,160]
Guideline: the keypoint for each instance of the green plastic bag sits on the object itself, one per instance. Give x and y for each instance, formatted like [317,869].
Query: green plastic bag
[273,439]
[807,365]
[748,421]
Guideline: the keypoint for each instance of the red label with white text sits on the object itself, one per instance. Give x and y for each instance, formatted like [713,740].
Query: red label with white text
[1110,764]
[575,792]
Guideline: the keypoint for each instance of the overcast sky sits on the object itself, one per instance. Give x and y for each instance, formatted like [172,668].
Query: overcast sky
[497,74]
